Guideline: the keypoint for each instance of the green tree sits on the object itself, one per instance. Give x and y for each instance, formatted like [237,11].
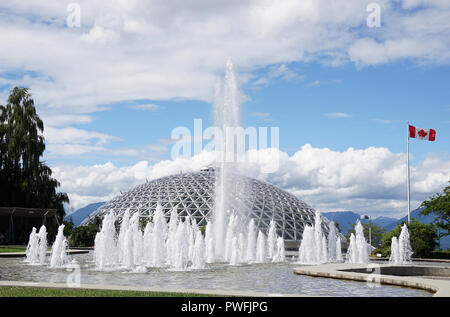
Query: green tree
[84,236]
[25,180]
[422,237]
[377,233]
[338,228]
[439,205]
[68,227]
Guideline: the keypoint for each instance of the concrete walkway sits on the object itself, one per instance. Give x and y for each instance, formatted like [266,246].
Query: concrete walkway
[413,259]
[22,254]
[206,292]
[440,286]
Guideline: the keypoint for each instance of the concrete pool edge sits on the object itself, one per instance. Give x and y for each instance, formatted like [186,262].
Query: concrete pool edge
[206,292]
[440,288]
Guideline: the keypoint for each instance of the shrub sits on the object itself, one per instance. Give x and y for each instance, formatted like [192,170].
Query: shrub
[422,237]
[440,255]
[84,236]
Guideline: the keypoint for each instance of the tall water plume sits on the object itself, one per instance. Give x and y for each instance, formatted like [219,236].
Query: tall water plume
[314,247]
[105,248]
[226,115]
[229,237]
[272,240]
[159,235]
[261,248]
[209,243]
[198,261]
[358,250]
[251,242]
[339,257]
[36,252]
[59,256]
[332,243]
[280,254]
[32,251]
[401,250]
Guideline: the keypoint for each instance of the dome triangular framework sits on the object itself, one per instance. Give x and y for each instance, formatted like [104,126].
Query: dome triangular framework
[192,194]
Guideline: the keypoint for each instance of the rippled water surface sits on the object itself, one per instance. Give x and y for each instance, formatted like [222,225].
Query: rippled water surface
[267,278]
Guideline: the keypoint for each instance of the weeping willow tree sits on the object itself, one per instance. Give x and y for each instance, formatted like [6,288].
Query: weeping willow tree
[25,180]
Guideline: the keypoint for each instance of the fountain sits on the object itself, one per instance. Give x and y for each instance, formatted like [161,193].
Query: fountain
[105,252]
[179,245]
[158,238]
[234,259]
[36,252]
[280,254]
[395,256]
[315,248]
[358,250]
[306,252]
[32,251]
[401,251]
[332,241]
[59,256]
[209,240]
[229,237]
[198,258]
[226,116]
[251,242]
[261,248]
[42,252]
[271,240]
[338,250]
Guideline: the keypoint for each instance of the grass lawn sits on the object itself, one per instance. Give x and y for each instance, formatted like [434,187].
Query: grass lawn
[14,291]
[8,249]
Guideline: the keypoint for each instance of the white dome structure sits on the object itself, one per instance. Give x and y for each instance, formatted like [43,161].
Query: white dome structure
[192,194]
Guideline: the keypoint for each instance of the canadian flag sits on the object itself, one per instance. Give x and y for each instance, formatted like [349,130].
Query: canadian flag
[423,134]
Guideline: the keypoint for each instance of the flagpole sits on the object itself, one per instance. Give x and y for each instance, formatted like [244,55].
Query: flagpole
[408,183]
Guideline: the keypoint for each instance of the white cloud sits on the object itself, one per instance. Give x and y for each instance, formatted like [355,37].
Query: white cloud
[62,120]
[166,50]
[69,141]
[367,51]
[126,51]
[337,115]
[281,72]
[147,106]
[78,136]
[372,180]
[129,50]
[315,83]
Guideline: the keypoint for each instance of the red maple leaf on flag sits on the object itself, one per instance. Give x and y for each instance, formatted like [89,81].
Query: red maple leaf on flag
[422,133]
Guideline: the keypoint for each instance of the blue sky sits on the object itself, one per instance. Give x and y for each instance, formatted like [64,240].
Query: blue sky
[111,90]
[333,107]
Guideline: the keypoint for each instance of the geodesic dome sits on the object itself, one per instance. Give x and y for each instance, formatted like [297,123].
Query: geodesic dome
[193,194]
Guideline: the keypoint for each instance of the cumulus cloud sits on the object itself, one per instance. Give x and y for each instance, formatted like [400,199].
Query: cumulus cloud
[62,120]
[172,50]
[129,50]
[372,180]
